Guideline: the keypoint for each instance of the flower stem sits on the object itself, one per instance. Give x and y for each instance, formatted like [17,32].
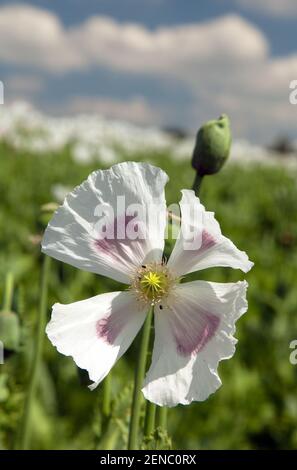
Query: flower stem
[139,376]
[150,415]
[106,404]
[162,417]
[150,412]
[25,435]
[8,293]
[197,183]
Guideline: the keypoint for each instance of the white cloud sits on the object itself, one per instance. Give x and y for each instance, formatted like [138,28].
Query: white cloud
[135,109]
[224,63]
[283,8]
[255,95]
[134,48]
[35,37]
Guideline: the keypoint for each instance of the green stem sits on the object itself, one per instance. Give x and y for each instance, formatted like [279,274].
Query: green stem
[139,376]
[41,321]
[150,412]
[8,293]
[162,417]
[150,415]
[197,183]
[106,396]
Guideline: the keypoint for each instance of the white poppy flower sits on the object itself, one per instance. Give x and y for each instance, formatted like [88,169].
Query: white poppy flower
[194,321]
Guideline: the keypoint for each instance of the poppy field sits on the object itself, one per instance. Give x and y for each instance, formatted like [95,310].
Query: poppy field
[256,406]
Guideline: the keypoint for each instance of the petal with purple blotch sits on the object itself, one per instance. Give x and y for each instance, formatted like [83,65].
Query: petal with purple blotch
[193,332]
[96,332]
[200,244]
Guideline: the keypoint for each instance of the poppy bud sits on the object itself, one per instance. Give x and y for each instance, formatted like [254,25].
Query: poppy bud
[212,147]
[10,331]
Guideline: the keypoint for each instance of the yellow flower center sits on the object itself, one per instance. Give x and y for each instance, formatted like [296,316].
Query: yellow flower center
[152,282]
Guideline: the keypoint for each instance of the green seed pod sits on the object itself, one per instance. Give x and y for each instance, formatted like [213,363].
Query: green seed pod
[10,331]
[212,147]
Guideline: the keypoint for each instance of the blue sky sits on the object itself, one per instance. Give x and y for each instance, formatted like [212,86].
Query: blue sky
[163,62]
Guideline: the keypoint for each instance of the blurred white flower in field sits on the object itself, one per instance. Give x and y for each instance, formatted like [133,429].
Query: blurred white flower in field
[92,138]
[107,155]
[60,191]
[82,153]
[89,137]
[194,321]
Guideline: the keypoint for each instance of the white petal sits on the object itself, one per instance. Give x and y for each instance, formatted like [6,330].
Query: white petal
[72,235]
[192,334]
[208,247]
[96,332]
